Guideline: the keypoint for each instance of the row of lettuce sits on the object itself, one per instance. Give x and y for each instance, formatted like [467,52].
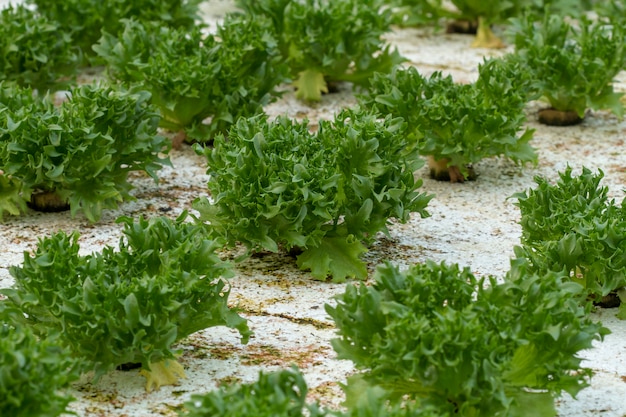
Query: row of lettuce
[78,154]
[431,340]
[313,44]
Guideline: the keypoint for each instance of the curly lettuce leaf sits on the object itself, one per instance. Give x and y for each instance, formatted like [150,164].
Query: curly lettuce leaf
[337,257]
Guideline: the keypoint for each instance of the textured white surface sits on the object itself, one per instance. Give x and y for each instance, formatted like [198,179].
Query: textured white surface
[473,224]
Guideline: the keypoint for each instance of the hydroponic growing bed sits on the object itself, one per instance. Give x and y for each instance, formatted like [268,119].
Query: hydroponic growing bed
[475,224]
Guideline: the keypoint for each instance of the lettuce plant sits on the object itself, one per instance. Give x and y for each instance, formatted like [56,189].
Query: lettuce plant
[35,52]
[283,393]
[416,12]
[85,20]
[572,226]
[438,337]
[465,16]
[276,394]
[79,154]
[128,304]
[363,400]
[193,76]
[276,186]
[34,371]
[328,41]
[574,8]
[499,11]
[127,52]
[612,10]
[457,125]
[486,14]
[572,67]
[478,14]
